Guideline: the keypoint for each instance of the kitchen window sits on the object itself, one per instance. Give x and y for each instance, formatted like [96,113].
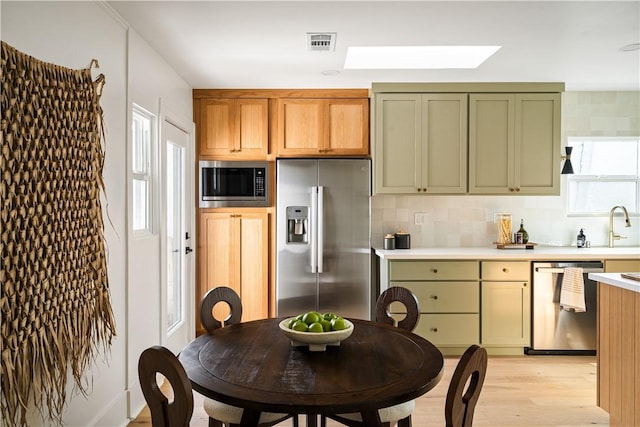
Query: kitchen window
[142,125]
[606,174]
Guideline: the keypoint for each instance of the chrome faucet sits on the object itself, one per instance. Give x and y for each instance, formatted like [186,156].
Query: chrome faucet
[612,235]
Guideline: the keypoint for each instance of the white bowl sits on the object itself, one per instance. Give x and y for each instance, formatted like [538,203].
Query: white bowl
[317,341]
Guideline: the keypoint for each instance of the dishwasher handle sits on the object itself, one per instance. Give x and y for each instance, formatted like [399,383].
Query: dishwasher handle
[561,270]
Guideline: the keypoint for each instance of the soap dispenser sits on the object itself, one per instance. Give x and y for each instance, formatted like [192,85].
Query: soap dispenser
[582,239]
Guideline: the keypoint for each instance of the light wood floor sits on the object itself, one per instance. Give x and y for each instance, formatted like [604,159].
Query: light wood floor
[540,391]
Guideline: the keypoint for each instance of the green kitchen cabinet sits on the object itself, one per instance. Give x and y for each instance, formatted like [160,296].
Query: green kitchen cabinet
[448,294]
[621,265]
[505,305]
[514,143]
[420,143]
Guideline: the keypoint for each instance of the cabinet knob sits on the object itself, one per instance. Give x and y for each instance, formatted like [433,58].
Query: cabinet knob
[435,270]
[512,189]
[517,189]
[524,284]
[434,329]
[505,270]
[424,189]
[434,296]
[419,190]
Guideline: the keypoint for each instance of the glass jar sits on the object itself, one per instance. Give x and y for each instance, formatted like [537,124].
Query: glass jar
[503,220]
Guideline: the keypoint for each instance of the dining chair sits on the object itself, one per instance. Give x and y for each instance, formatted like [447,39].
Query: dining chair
[464,389]
[462,396]
[404,296]
[213,297]
[159,360]
[220,413]
[402,411]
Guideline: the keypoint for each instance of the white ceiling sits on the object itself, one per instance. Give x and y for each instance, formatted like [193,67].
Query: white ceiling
[262,44]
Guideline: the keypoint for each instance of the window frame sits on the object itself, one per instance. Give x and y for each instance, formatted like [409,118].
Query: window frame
[633,210]
[149,170]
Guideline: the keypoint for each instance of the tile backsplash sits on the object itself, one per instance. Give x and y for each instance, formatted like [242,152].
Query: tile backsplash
[468,221]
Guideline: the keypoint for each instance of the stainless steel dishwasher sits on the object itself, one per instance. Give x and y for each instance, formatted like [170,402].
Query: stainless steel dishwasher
[554,330]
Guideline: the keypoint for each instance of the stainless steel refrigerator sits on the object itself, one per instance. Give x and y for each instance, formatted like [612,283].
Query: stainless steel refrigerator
[323,237]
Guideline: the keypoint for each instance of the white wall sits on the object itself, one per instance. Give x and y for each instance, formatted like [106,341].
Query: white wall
[151,83]
[71,34]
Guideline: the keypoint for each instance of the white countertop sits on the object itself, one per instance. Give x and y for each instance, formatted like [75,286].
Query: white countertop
[541,253]
[614,279]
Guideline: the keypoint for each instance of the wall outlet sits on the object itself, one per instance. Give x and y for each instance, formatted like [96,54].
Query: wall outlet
[420,218]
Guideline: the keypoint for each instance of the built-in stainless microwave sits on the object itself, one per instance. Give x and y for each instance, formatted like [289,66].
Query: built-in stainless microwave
[228,184]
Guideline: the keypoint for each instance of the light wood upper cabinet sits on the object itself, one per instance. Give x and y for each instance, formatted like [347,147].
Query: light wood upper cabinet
[234,128]
[421,143]
[514,143]
[323,127]
[234,252]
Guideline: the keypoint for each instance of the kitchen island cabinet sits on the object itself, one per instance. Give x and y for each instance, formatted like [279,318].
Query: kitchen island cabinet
[618,348]
[233,251]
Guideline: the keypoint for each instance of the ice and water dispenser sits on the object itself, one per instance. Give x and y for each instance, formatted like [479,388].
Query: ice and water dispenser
[297,224]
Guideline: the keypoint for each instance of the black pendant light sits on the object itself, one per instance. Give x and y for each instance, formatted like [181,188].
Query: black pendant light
[567,169]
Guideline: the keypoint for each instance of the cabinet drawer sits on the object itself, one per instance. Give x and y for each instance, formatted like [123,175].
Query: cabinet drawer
[433,270]
[442,297]
[505,270]
[621,265]
[450,329]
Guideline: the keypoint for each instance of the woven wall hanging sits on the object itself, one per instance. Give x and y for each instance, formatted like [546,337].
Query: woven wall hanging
[55,303]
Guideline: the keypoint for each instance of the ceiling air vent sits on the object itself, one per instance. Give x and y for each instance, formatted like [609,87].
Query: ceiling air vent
[321,42]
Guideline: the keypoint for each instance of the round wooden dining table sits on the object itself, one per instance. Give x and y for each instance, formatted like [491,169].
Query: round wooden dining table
[254,366]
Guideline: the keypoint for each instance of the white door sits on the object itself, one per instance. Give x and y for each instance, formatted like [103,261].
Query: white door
[178,270]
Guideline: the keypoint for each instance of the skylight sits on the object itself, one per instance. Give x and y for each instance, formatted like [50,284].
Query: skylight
[417,57]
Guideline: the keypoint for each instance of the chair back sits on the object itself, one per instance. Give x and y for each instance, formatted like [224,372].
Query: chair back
[159,360]
[404,296]
[465,387]
[214,296]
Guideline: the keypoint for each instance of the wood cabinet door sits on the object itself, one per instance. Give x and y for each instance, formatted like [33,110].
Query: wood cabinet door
[253,237]
[491,143]
[252,121]
[505,314]
[537,143]
[219,256]
[234,128]
[217,126]
[398,144]
[300,126]
[322,127]
[444,143]
[346,127]
[234,252]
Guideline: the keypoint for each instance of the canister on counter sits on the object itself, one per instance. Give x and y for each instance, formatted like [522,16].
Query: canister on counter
[403,240]
[389,242]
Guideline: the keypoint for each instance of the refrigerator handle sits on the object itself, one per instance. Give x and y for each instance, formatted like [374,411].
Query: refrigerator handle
[320,231]
[314,229]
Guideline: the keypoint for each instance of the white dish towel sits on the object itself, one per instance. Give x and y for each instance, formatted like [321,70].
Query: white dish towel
[572,292]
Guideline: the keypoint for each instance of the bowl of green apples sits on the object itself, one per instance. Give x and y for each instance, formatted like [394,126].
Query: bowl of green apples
[316,330]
